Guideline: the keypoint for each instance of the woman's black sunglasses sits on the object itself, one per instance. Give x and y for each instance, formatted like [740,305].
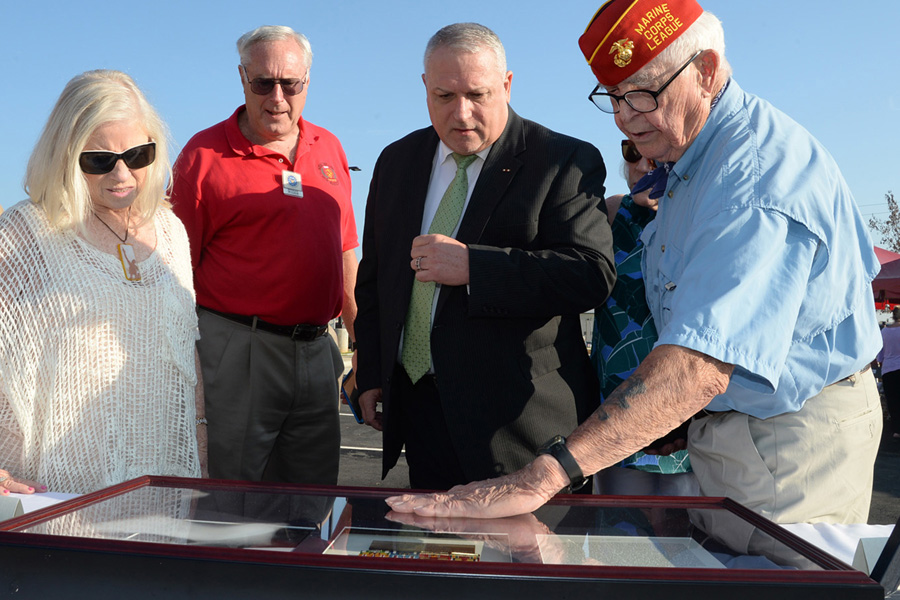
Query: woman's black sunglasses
[630,153]
[100,162]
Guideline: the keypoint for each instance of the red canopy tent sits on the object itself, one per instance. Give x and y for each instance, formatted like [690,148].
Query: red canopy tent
[885,256]
[886,285]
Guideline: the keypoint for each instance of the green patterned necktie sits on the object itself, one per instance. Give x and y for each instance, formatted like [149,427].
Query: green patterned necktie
[416,355]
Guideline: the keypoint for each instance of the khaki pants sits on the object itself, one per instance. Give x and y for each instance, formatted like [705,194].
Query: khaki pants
[815,465]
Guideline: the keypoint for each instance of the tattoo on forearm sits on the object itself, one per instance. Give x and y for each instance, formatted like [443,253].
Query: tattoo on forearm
[630,388]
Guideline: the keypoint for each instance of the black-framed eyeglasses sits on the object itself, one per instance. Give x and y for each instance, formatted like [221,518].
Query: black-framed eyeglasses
[642,101]
[263,86]
[101,162]
[630,153]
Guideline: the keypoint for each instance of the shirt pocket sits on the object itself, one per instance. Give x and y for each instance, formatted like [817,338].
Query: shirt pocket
[670,271]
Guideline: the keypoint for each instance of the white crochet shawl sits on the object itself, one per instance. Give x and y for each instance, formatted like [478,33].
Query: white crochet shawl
[97,373]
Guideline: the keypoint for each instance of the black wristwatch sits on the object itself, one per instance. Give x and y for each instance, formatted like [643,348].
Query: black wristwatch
[556,447]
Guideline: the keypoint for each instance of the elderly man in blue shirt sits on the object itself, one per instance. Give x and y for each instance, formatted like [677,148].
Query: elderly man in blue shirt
[758,270]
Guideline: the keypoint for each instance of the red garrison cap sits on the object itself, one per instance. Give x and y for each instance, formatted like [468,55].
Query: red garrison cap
[625,35]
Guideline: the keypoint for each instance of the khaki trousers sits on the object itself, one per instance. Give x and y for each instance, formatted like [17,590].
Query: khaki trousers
[815,465]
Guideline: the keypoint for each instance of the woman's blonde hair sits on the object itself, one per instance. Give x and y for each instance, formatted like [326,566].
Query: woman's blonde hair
[53,178]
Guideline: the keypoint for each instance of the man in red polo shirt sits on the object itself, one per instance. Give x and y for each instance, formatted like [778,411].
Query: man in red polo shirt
[265,198]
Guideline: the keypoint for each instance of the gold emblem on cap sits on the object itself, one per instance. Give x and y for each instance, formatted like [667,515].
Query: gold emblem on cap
[623,50]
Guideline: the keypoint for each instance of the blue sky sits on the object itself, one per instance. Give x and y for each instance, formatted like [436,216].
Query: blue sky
[832,69]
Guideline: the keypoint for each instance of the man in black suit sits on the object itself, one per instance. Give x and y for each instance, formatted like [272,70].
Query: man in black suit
[502,365]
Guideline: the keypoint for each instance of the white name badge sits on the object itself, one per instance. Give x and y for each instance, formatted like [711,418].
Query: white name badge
[291,185]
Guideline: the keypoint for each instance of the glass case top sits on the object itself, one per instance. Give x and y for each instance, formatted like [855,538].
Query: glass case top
[589,531]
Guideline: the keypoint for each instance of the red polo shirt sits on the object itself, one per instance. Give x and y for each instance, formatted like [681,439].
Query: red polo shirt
[256,250]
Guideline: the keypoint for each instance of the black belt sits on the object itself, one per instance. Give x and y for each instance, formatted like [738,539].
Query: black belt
[853,377]
[299,333]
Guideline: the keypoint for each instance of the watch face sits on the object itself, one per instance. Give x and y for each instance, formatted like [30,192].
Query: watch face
[545,447]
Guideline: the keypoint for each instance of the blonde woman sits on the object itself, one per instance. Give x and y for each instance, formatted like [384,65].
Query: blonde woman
[98,378]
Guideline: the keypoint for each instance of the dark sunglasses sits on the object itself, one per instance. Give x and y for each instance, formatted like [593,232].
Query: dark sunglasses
[630,153]
[100,162]
[263,86]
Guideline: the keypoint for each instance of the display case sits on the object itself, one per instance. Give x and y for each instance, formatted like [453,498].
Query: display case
[161,537]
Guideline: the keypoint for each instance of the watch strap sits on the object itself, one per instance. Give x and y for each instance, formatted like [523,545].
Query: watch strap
[556,447]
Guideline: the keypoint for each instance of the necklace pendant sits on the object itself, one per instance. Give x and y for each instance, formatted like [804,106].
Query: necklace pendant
[129,262]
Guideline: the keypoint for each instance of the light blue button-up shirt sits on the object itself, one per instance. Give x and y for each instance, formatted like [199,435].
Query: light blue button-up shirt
[760,258]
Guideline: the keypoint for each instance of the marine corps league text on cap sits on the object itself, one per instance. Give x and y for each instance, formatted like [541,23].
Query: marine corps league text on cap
[625,35]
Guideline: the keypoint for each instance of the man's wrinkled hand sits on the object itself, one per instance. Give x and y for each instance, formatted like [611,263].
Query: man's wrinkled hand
[515,494]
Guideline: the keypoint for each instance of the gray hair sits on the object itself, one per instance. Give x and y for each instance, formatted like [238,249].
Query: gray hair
[272,33]
[53,178]
[705,33]
[467,37]
[623,171]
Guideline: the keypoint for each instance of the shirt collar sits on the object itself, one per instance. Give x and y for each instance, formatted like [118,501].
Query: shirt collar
[444,152]
[728,103]
[244,147]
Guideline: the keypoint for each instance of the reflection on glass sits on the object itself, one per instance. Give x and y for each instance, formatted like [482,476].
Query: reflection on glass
[196,517]
[628,551]
[300,521]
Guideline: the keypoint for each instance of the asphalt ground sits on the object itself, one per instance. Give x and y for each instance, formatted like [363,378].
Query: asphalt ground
[361,466]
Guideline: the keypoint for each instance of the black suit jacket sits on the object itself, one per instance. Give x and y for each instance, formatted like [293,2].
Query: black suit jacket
[511,365]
